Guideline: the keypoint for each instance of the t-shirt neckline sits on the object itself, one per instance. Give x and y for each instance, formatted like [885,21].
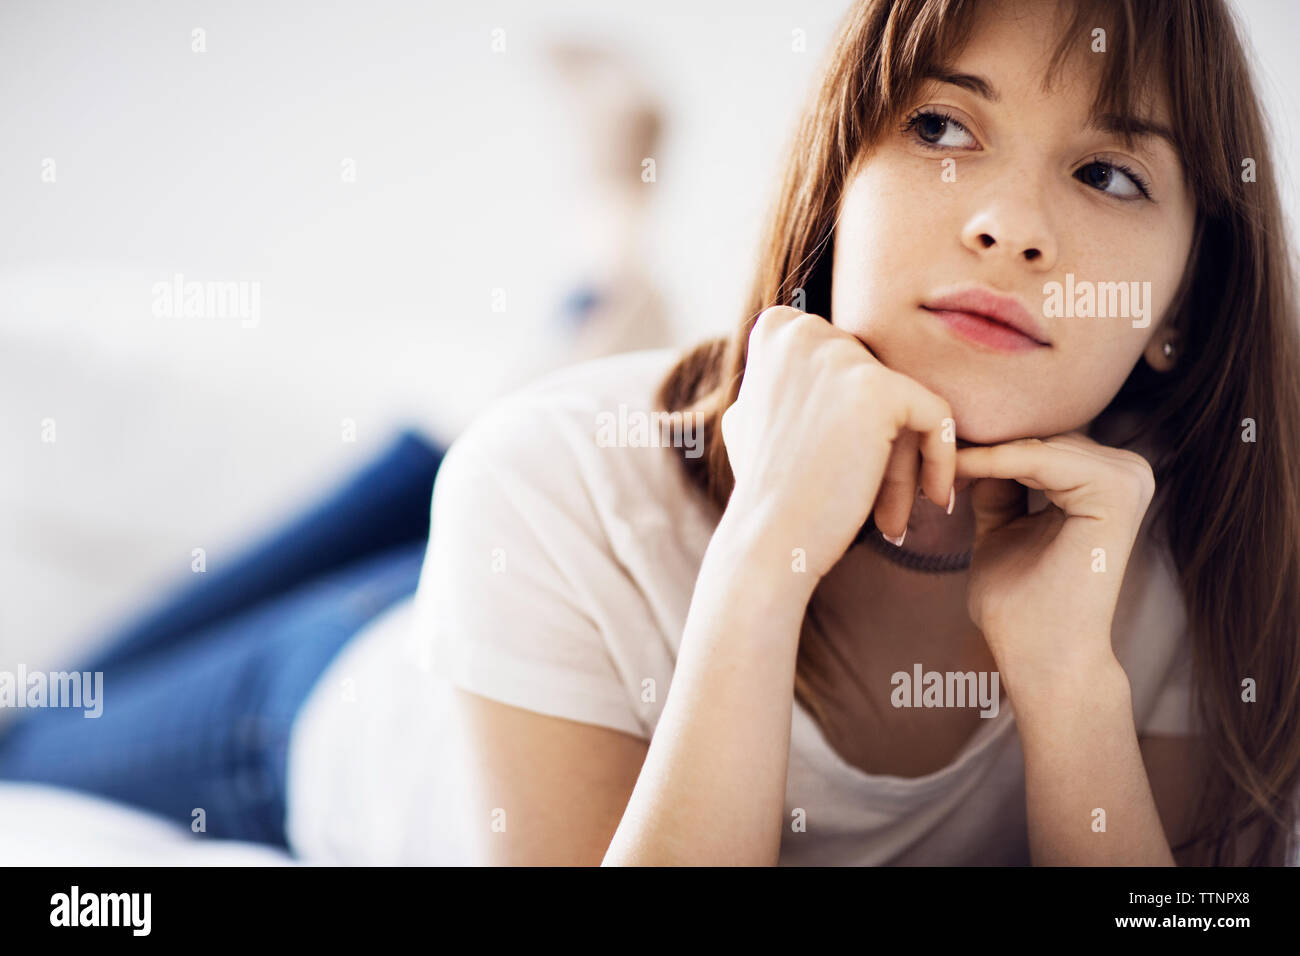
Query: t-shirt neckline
[890,786]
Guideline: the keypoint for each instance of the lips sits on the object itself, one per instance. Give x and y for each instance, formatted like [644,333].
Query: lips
[974,310]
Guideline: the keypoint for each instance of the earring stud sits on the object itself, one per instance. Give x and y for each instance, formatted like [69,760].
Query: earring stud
[1169,349]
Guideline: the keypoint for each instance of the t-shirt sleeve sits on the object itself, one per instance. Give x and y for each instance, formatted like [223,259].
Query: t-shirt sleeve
[519,588]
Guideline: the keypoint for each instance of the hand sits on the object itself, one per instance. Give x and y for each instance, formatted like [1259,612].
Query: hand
[822,433]
[1036,587]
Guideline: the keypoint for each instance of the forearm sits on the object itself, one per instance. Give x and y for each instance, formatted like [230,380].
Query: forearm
[712,788]
[1081,756]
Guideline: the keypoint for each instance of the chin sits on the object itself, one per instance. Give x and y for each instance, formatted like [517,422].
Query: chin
[983,418]
[976,436]
[982,410]
[988,427]
[998,431]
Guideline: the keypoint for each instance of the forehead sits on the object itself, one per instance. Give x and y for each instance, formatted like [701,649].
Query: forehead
[1038,51]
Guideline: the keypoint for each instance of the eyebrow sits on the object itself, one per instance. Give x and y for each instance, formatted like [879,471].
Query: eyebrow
[1134,126]
[967,81]
[1106,123]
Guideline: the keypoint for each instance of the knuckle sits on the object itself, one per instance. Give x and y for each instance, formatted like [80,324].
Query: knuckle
[867,376]
[1137,461]
[808,331]
[1135,481]
[1144,479]
[773,317]
[1137,490]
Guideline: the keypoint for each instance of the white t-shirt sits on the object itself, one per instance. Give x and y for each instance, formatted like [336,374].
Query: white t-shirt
[558,578]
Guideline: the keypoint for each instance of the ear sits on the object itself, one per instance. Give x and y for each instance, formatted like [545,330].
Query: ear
[1162,352]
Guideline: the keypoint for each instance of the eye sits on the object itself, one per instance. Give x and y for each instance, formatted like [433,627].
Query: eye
[938,130]
[1116,180]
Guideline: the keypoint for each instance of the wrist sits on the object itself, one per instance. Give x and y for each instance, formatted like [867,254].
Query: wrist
[751,541]
[1078,698]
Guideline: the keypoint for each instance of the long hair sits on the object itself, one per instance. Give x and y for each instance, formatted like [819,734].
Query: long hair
[1236,540]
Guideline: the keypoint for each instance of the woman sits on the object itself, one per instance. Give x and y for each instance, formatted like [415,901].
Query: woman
[622,652]
[1102,143]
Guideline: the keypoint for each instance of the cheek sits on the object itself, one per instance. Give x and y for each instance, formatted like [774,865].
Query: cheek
[876,250]
[1113,249]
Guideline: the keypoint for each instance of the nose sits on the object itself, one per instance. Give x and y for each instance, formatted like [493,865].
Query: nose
[1015,229]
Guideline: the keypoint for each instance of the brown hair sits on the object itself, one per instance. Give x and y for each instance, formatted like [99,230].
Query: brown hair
[1236,543]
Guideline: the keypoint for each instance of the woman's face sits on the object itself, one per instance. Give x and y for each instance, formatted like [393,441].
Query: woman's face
[1001,186]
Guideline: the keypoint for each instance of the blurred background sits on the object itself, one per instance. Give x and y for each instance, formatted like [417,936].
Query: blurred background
[426,204]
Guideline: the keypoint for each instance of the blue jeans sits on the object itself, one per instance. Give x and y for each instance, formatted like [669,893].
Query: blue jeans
[199,696]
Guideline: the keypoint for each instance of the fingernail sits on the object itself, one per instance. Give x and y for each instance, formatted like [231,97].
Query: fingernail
[897,542]
[952,499]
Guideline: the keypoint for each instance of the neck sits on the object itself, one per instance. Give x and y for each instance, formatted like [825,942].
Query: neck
[871,616]
[874,575]
[931,531]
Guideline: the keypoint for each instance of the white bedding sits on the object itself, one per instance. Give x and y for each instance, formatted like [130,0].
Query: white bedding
[50,826]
